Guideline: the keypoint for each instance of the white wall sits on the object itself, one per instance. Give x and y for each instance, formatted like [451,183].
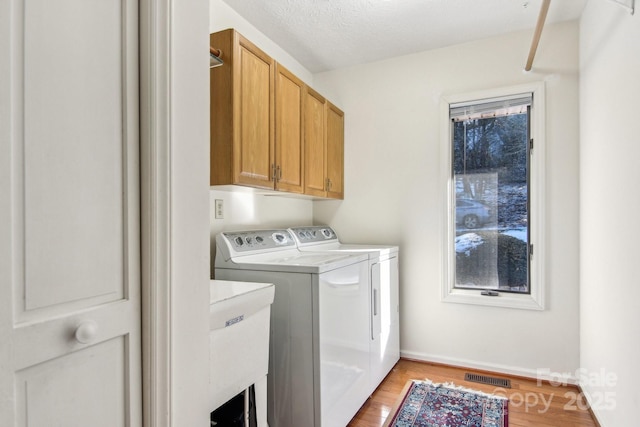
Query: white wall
[394,194]
[609,136]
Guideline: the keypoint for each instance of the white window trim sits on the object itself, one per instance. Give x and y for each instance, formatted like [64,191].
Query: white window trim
[536,299]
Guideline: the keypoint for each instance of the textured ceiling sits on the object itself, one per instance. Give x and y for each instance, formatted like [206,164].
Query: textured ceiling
[329,34]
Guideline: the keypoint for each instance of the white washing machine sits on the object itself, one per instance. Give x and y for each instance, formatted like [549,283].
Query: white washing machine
[383,293]
[319,373]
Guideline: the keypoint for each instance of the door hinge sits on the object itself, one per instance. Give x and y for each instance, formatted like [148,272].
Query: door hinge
[530,251]
[531,144]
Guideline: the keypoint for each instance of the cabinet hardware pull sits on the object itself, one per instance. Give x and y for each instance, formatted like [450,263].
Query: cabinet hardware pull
[273,172]
[278,173]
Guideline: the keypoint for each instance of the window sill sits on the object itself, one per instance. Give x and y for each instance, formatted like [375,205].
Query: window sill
[503,299]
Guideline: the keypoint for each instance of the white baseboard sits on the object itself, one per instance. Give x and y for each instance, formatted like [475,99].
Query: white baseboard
[590,395]
[492,367]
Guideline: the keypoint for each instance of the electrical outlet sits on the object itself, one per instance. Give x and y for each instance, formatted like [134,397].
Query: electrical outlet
[219,209]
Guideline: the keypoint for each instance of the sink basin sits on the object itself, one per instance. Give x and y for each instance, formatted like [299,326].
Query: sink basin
[230,301]
[239,315]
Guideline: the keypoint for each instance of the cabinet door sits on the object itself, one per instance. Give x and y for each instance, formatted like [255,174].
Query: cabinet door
[335,152]
[289,139]
[314,144]
[254,137]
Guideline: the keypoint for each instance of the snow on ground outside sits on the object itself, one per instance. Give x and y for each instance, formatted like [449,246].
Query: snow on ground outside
[468,241]
[518,233]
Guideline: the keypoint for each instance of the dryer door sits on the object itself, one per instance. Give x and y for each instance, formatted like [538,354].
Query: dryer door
[385,334]
[343,309]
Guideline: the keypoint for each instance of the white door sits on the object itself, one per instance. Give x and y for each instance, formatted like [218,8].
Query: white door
[70,344]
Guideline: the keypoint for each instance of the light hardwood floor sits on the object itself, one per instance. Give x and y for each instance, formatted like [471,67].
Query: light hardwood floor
[530,404]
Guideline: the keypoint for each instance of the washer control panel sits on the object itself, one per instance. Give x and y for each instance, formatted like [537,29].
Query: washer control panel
[245,241]
[314,234]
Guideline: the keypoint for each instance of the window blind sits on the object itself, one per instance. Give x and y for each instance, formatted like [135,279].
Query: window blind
[494,107]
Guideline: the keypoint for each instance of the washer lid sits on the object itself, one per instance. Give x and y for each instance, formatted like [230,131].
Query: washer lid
[310,259]
[303,262]
[292,261]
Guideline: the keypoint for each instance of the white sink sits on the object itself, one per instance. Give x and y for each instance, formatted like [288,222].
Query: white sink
[229,301]
[239,314]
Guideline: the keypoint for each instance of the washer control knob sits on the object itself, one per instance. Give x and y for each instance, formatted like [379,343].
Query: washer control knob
[239,241]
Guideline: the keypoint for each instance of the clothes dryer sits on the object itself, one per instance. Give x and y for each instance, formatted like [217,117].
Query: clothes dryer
[383,293]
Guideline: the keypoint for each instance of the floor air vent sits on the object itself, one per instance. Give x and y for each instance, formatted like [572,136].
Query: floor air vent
[483,379]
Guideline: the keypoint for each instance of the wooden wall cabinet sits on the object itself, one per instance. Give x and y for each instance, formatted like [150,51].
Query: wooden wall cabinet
[268,129]
[242,113]
[324,147]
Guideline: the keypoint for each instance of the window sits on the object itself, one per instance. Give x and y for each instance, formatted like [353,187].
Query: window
[494,198]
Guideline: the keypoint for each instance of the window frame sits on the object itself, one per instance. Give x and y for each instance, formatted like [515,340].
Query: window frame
[535,300]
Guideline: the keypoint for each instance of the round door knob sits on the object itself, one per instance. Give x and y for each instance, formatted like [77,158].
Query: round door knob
[86,332]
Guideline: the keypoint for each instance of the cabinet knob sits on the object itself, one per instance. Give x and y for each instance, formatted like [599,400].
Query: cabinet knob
[86,332]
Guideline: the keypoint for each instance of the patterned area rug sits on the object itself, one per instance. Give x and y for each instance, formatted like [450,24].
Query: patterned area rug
[426,404]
